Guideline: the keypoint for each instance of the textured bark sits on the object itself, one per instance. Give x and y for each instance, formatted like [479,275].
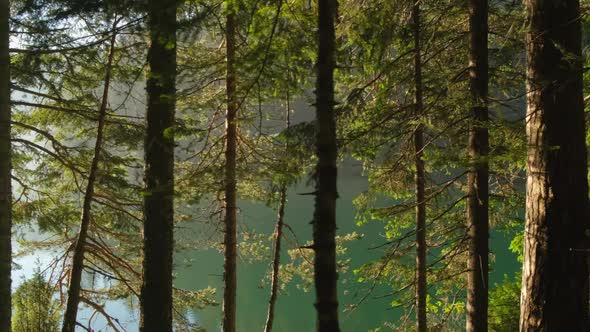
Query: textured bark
[555,270]
[231,142]
[276,262]
[477,179]
[71,312]
[324,221]
[419,178]
[158,238]
[5,171]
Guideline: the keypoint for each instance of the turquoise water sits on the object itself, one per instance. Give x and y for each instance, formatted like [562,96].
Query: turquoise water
[295,312]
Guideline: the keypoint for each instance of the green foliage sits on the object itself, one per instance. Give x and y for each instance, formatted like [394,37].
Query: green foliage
[254,247]
[300,267]
[35,307]
[517,245]
[185,302]
[505,305]
[377,121]
[55,108]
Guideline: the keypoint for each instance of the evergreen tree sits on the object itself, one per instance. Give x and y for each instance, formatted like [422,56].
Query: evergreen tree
[69,322]
[324,220]
[478,177]
[35,306]
[419,177]
[219,77]
[230,191]
[5,172]
[555,268]
[156,290]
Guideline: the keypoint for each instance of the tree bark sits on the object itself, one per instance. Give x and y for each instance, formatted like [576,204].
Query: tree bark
[158,233]
[5,172]
[324,221]
[419,178]
[555,269]
[231,142]
[71,312]
[477,179]
[276,262]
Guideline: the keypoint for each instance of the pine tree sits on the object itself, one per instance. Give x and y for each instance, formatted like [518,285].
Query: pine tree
[324,219]
[419,177]
[478,177]
[35,307]
[69,322]
[555,268]
[5,172]
[156,290]
[230,200]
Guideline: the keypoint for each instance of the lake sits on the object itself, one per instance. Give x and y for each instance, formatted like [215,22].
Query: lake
[294,311]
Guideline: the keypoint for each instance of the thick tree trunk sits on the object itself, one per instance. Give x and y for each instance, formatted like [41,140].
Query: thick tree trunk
[158,238]
[419,178]
[71,312]
[5,171]
[324,221]
[555,270]
[477,180]
[231,142]
[276,262]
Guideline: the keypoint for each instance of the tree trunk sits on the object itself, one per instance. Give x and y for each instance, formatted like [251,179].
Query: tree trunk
[158,239]
[477,181]
[71,312]
[324,221]
[231,141]
[555,270]
[276,262]
[419,178]
[5,172]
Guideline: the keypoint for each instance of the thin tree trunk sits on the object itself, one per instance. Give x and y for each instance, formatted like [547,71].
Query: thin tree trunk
[477,182]
[231,142]
[421,324]
[71,312]
[5,172]
[158,232]
[555,269]
[324,221]
[276,262]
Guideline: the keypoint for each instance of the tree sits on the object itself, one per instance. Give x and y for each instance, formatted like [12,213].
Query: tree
[5,171]
[404,109]
[555,268]
[276,260]
[477,179]
[324,218]
[35,308]
[55,142]
[231,140]
[419,178]
[158,242]
[69,322]
[386,113]
[278,232]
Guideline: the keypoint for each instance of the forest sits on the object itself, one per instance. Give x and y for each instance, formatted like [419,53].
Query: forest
[294,165]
